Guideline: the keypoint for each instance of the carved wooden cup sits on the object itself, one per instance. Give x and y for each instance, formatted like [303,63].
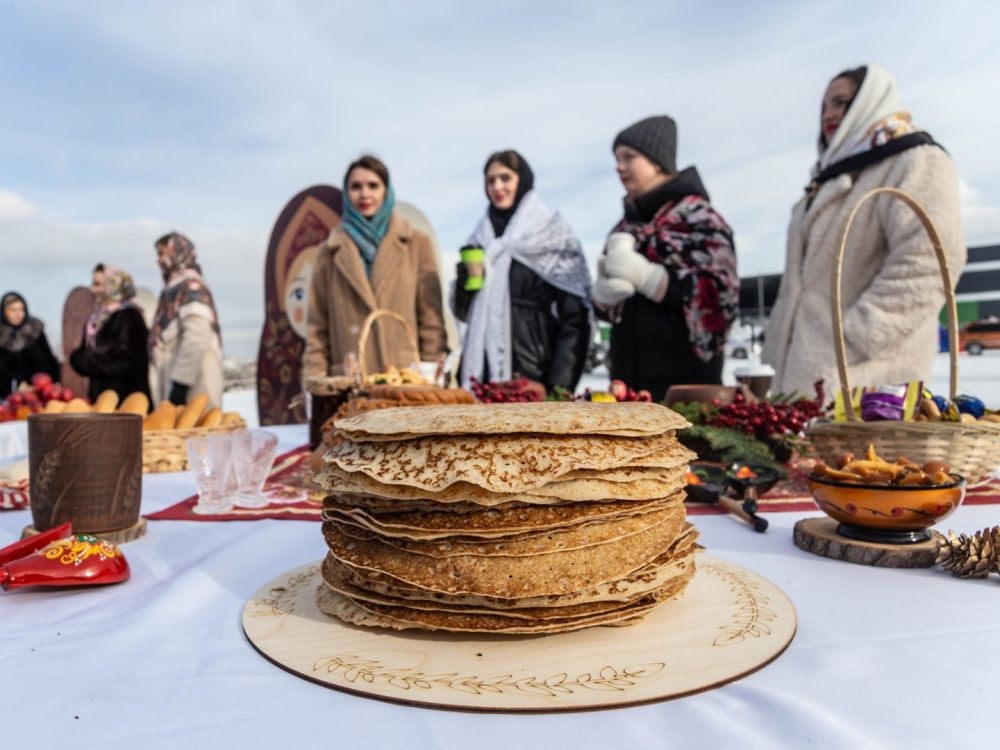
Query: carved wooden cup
[85,468]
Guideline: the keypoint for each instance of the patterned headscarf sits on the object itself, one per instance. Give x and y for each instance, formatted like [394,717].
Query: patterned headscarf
[183,285]
[119,291]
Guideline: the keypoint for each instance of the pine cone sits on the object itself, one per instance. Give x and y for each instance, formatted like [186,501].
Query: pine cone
[969,556]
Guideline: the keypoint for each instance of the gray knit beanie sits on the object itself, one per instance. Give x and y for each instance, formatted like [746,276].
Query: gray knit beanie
[655,138]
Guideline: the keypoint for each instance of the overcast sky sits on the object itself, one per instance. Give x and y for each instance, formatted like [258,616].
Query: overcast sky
[119,121]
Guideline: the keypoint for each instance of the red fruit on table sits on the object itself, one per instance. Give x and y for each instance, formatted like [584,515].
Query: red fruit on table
[40,379]
[618,389]
[645,396]
[15,399]
[55,392]
[67,394]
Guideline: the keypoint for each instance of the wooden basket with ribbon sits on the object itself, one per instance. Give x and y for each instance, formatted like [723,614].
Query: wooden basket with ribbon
[972,449]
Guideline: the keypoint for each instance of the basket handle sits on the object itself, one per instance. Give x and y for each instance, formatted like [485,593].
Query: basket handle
[836,303]
[366,330]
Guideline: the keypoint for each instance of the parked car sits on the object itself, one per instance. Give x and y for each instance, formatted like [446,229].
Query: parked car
[979,335]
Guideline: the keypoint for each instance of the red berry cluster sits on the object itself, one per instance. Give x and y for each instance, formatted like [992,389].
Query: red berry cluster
[623,392]
[767,419]
[31,399]
[516,391]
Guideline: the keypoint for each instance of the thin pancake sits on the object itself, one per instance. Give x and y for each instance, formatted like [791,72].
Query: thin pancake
[579,418]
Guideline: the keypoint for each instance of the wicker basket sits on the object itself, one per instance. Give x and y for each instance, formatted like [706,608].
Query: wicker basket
[329,393]
[166,450]
[971,449]
[366,331]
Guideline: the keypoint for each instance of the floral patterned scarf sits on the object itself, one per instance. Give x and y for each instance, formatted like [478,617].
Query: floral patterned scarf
[183,286]
[695,244]
[119,291]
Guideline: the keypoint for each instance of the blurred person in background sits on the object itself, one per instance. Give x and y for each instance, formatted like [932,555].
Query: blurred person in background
[667,278]
[114,354]
[374,259]
[892,287]
[529,314]
[185,342]
[24,349]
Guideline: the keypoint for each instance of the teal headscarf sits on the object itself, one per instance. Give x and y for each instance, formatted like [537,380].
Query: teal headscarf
[368,233]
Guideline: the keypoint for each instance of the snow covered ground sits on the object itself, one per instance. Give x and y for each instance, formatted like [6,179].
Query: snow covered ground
[977,376]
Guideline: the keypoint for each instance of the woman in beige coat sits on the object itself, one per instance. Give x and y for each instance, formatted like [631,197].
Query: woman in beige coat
[892,289]
[373,260]
[185,343]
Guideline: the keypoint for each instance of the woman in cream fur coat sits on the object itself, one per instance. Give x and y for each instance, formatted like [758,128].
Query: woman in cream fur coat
[892,289]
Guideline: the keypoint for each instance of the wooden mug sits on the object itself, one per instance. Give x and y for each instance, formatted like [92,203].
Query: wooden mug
[86,469]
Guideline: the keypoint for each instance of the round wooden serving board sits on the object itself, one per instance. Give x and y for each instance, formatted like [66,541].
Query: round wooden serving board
[730,622]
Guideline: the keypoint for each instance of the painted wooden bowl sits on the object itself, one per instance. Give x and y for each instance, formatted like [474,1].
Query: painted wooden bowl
[887,514]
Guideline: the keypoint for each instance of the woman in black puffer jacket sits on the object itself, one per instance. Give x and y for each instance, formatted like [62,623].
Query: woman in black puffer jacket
[532,315]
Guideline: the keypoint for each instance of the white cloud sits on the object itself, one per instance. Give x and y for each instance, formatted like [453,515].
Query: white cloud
[13,207]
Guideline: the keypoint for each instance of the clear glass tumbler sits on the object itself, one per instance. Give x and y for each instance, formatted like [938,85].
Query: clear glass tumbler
[209,459]
[253,456]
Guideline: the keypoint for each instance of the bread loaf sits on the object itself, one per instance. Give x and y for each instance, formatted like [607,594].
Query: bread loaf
[135,403]
[162,418]
[77,406]
[106,402]
[190,414]
[211,418]
[55,407]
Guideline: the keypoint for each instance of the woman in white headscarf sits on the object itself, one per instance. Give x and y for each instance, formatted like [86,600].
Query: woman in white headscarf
[532,315]
[892,289]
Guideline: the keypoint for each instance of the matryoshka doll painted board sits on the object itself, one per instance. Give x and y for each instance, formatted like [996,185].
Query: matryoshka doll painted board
[302,225]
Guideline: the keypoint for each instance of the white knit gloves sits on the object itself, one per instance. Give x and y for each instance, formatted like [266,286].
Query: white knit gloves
[621,272]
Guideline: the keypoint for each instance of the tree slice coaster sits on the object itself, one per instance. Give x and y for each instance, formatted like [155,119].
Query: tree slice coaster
[729,623]
[121,536]
[819,536]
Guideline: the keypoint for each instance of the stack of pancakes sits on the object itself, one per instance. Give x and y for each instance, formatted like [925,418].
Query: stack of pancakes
[507,518]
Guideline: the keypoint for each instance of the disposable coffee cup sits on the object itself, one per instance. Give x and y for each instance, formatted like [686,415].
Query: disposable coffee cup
[474,259]
[757,378]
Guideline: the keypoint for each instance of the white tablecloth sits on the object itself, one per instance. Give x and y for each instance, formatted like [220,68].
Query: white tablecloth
[13,438]
[882,658]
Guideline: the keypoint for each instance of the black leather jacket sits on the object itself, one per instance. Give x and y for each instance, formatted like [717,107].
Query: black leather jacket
[550,329]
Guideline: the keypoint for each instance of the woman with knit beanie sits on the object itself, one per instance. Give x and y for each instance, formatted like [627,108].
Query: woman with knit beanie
[892,290]
[113,354]
[667,277]
[529,314]
[372,260]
